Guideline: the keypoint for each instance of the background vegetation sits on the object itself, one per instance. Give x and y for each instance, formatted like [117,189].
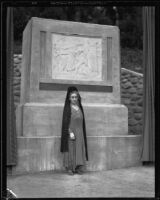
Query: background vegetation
[129,20]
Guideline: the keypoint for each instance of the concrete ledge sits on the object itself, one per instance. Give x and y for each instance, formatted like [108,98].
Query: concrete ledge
[35,119]
[105,153]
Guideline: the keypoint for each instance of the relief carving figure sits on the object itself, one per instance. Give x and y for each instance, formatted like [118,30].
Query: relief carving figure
[76,58]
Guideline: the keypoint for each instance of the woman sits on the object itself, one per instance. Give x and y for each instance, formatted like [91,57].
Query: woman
[73,138]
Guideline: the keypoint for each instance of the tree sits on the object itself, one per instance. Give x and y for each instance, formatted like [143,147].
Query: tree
[131,26]
[130,22]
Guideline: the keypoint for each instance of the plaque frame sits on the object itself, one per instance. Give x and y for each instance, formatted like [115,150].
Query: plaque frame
[46,57]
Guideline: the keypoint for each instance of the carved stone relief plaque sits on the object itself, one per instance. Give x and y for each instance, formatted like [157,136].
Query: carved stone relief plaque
[76,58]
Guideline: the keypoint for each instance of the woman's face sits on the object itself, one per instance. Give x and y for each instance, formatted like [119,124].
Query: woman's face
[74,98]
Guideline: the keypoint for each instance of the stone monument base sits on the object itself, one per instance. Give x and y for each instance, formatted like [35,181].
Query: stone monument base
[109,145]
[44,119]
[36,154]
[57,54]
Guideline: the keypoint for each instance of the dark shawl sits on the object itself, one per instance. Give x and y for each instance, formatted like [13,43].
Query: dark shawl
[65,127]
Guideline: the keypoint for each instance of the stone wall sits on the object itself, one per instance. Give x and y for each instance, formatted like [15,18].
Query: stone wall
[131,94]
[17,78]
[132,97]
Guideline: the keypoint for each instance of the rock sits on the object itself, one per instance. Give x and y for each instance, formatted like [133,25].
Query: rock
[140,102]
[132,76]
[18,66]
[135,83]
[14,65]
[137,109]
[139,97]
[17,87]
[133,90]
[126,95]
[16,69]
[124,80]
[17,99]
[20,56]
[123,96]
[138,116]
[127,85]
[134,80]
[132,104]
[130,132]
[140,86]
[137,129]
[127,75]
[130,112]
[130,116]
[16,60]
[132,122]
[129,79]
[17,73]
[123,91]
[140,92]
[135,86]
[17,78]
[132,129]
[141,80]
[126,101]
[16,82]
[122,76]
[16,93]
[134,97]
[124,72]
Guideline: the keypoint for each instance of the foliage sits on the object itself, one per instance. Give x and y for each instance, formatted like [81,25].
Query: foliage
[130,19]
[131,27]
[132,59]
[130,24]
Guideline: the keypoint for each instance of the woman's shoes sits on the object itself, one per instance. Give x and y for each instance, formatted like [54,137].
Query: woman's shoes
[70,172]
[79,172]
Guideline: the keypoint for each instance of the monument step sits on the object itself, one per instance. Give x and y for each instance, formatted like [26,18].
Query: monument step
[105,152]
[35,119]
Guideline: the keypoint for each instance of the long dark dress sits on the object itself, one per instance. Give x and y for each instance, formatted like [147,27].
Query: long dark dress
[76,152]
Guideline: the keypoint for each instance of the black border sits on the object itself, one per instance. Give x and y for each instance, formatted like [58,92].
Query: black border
[3,104]
[5,4]
[157,100]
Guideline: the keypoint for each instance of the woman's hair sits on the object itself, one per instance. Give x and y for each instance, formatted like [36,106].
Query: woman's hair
[66,120]
[71,90]
[67,106]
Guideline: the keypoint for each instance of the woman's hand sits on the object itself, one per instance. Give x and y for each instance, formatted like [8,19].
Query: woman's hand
[72,136]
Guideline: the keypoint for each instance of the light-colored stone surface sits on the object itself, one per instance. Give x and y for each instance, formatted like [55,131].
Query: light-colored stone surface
[129,79]
[105,152]
[130,182]
[46,119]
[76,58]
[39,61]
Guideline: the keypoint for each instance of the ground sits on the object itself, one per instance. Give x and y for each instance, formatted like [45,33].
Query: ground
[129,182]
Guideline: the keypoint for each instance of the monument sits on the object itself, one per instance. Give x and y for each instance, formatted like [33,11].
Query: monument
[58,54]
